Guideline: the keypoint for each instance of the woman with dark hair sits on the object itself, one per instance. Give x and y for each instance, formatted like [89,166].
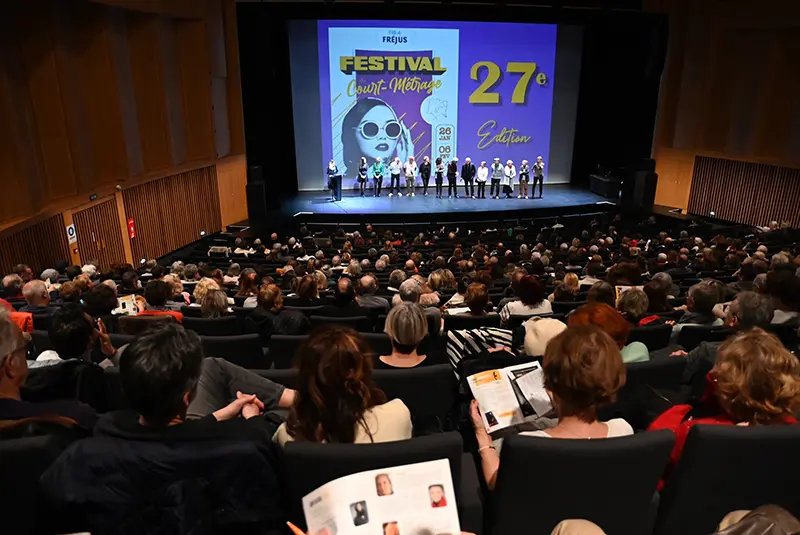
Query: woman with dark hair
[99,302]
[625,274]
[583,371]
[532,300]
[371,129]
[477,299]
[362,175]
[657,297]
[439,177]
[248,283]
[602,292]
[336,399]
[306,293]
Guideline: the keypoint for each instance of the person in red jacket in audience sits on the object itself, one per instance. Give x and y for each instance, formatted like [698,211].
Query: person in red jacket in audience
[157,293]
[755,381]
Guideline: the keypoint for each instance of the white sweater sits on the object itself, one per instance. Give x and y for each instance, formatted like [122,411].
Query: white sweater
[483,174]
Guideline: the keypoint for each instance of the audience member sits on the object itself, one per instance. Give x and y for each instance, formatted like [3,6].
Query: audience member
[12,287]
[37,298]
[130,284]
[406,326]
[365,291]
[532,300]
[214,305]
[614,324]
[73,334]
[755,381]
[344,301]
[583,371]
[602,292]
[270,317]
[477,299]
[336,398]
[100,303]
[156,294]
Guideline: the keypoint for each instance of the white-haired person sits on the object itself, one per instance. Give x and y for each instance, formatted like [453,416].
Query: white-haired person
[497,178]
[333,177]
[452,178]
[524,177]
[509,174]
[410,169]
[538,176]
[395,168]
[483,176]
[468,172]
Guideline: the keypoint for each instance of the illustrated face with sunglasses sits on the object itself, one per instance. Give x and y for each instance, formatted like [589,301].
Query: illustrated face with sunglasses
[380,134]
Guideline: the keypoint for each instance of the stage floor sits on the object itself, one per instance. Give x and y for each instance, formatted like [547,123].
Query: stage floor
[557,198]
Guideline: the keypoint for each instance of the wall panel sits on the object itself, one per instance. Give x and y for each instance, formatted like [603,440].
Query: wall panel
[745,192]
[232,180]
[99,236]
[40,246]
[171,212]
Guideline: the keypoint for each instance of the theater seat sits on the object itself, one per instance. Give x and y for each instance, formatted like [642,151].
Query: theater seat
[428,392]
[359,323]
[725,468]
[283,348]
[690,336]
[653,336]
[136,325]
[244,350]
[308,466]
[463,321]
[226,326]
[610,482]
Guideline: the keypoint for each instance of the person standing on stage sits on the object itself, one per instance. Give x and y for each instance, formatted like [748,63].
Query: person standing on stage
[395,168]
[333,178]
[509,174]
[497,177]
[468,174]
[425,173]
[524,176]
[411,175]
[483,175]
[538,175]
[439,177]
[362,175]
[452,178]
[377,175]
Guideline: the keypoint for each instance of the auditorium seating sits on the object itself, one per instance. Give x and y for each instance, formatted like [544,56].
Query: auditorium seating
[728,468]
[243,349]
[306,466]
[610,482]
[227,326]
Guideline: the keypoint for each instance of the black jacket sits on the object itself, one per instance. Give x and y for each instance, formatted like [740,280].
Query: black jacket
[468,171]
[425,170]
[113,484]
[452,170]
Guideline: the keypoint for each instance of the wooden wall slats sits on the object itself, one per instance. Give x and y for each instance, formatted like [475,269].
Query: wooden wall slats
[745,192]
[40,246]
[147,68]
[171,212]
[95,94]
[194,65]
[232,182]
[98,231]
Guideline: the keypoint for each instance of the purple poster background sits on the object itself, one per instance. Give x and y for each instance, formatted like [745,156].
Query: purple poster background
[500,43]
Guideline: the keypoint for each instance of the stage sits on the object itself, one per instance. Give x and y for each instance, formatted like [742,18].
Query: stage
[559,200]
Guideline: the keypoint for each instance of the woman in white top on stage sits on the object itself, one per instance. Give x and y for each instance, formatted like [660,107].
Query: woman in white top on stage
[583,371]
[509,174]
[483,176]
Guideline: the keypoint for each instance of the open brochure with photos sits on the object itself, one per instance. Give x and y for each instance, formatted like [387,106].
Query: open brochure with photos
[414,499]
[510,396]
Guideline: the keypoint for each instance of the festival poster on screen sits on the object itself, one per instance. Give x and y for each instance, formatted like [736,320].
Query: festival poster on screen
[438,89]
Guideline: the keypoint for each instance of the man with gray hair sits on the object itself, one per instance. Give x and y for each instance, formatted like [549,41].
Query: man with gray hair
[37,297]
[12,286]
[664,280]
[364,265]
[748,311]
[50,275]
[410,292]
[380,266]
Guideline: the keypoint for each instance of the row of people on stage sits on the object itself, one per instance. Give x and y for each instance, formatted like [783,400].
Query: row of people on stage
[498,175]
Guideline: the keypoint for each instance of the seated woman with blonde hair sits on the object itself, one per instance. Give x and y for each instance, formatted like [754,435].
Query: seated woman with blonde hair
[755,381]
[336,398]
[406,326]
[583,371]
[569,288]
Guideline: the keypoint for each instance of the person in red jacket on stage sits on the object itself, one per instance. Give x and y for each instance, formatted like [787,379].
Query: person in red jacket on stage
[755,381]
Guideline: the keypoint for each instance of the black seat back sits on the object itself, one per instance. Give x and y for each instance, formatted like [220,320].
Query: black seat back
[136,325]
[243,349]
[690,336]
[465,321]
[429,393]
[191,312]
[725,468]
[283,348]
[225,326]
[308,465]
[580,475]
[653,336]
[359,323]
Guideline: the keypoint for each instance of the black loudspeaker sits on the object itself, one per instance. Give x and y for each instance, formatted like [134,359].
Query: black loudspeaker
[639,191]
[256,203]
[254,174]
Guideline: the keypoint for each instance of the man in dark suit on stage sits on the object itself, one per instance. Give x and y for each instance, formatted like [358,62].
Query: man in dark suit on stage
[468,172]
